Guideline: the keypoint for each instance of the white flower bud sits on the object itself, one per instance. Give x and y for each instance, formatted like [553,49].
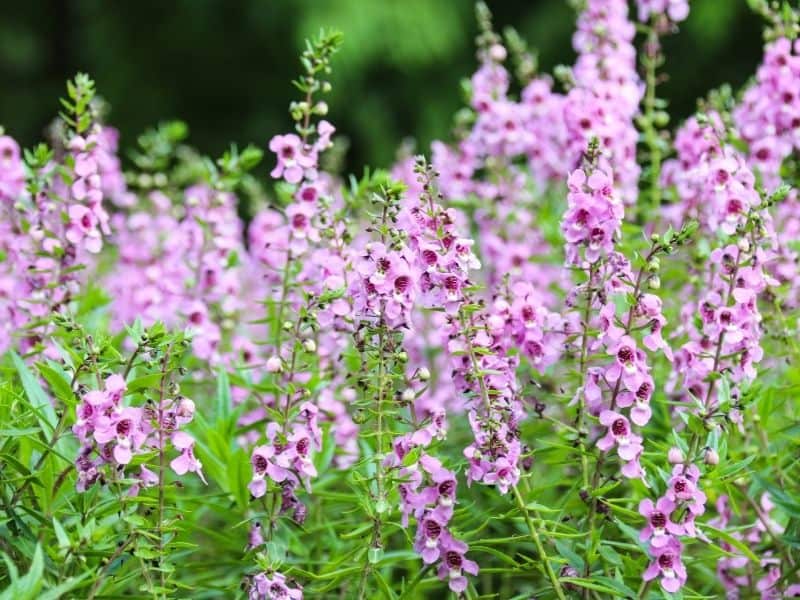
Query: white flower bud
[274,364]
[310,345]
[711,457]
[424,374]
[675,456]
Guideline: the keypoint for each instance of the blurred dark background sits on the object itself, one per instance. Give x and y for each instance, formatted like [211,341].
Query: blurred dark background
[224,66]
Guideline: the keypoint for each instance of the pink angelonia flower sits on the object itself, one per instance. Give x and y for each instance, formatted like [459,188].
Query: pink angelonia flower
[273,587]
[639,400]
[660,528]
[668,566]
[629,445]
[186,460]
[263,466]
[293,159]
[428,538]
[123,428]
[455,564]
[627,364]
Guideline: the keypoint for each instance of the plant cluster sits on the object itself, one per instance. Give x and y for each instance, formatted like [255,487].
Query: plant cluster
[556,359]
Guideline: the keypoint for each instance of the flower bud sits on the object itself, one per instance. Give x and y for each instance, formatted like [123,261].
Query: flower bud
[310,346]
[321,108]
[274,364]
[743,244]
[424,374]
[654,283]
[675,456]
[497,53]
[186,408]
[402,356]
[408,395]
[711,457]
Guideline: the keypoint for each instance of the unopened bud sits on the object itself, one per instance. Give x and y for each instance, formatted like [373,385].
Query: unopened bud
[186,408]
[711,457]
[424,374]
[497,53]
[321,108]
[274,364]
[310,345]
[408,395]
[402,356]
[654,283]
[675,456]
[743,244]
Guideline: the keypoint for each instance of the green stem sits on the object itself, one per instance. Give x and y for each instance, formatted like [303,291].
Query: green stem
[538,543]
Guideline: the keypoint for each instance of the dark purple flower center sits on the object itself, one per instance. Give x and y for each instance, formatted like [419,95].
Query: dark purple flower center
[402,283]
[762,153]
[259,463]
[644,391]
[453,559]
[299,221]
[309,194]
[582,216]
[658,520]
[86,221]
[534,349]
[725,317]
[302,446]
[277,590]
[625,354]
[735,206]
[619,427]
[446,488]
[429,256]
[432,529]
[287,152]
[680,486]
[124,427]
[384,264]
[451,283]
[597,235]
[666,560]
[527,313]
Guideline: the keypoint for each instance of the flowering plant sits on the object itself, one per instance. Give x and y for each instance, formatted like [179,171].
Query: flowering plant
[557,358]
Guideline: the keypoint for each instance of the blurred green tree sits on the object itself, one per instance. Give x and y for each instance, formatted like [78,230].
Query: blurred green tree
[225,67]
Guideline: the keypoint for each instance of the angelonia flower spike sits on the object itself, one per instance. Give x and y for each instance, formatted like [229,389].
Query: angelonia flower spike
[553,355]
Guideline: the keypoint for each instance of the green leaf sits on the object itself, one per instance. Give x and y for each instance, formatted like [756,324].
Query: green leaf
[61,535]
[58,380]
[223,409]
[40,403]
[738,544]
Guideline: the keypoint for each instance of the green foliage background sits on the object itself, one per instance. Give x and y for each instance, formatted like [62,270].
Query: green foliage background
[222,65]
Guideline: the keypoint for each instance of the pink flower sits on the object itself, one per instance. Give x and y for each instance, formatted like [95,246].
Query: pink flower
[455,564]
[186,462]
[294,161]
[660,528]
[667,565]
